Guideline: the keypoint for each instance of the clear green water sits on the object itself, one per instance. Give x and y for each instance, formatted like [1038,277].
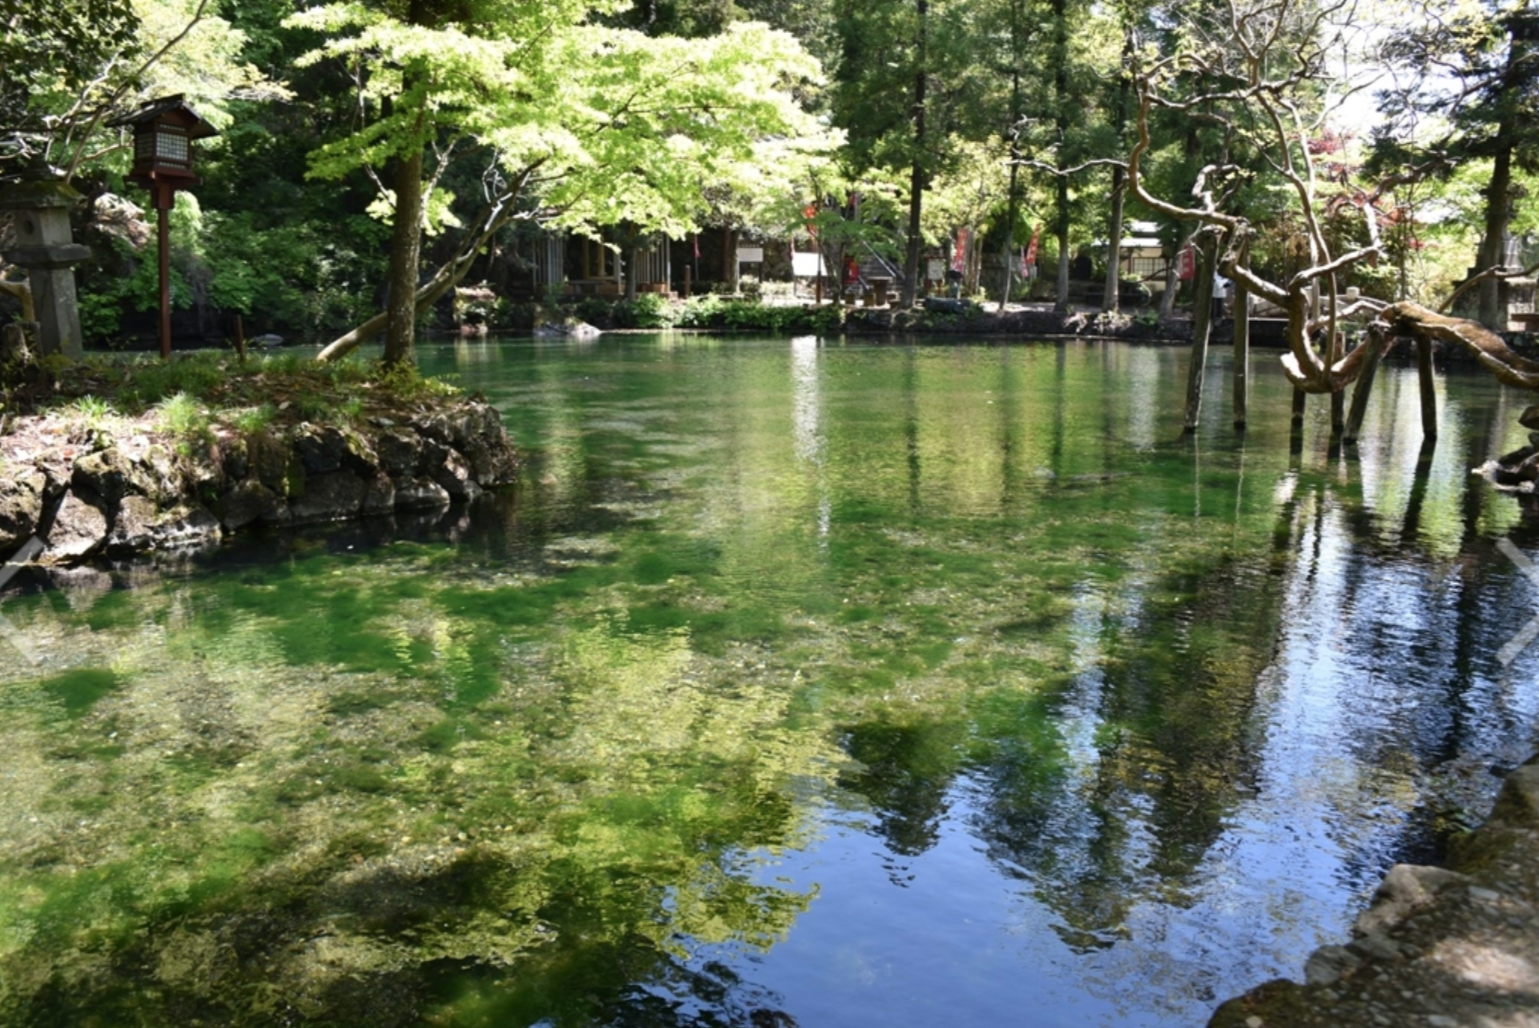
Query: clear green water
[798,684]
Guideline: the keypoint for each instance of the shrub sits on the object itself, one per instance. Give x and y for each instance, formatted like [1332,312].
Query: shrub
[185,419]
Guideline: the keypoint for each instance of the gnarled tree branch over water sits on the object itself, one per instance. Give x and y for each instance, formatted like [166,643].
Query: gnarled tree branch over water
[1256,75]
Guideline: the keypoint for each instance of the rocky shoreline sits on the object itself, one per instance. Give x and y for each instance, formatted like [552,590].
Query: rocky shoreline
[1443,947]
[73,495]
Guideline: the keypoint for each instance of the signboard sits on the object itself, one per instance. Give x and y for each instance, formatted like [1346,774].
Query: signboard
[934,270]
[807,265]
[750,255]
[1186,263]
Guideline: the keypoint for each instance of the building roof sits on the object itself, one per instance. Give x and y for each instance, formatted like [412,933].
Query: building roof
[172,107]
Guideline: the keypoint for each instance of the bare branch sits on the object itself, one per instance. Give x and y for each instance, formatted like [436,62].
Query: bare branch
[1052,169]
[1497,273]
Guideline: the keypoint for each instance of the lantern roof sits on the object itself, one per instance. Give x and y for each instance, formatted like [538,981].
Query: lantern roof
[169,108]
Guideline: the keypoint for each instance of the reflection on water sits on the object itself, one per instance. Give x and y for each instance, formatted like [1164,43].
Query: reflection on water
[799,684]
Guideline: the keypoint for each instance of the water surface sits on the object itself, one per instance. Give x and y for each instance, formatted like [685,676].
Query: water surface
[799,683]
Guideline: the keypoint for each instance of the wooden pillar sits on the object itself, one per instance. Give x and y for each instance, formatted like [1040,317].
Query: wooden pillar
[1428,392]
[1299,396]
[163,235]
[1202,319]
[1364,385]
[1338,397]
[1241,352]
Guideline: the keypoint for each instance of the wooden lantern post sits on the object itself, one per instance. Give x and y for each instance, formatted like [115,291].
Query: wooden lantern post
[164,131]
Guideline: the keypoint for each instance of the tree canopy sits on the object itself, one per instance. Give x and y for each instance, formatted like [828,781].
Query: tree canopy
[624,121]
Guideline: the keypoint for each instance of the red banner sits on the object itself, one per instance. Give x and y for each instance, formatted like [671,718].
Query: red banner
[1031,252]
[959,252]
[1186,263]
[810,212]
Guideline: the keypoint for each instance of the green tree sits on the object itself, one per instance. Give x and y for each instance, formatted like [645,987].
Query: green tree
[574,123]
[49,55]
[904,73]
[66,69]
[1474,69]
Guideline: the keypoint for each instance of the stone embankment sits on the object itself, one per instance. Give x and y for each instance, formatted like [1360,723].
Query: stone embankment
[71,496]
[1038,321]
[1454,947]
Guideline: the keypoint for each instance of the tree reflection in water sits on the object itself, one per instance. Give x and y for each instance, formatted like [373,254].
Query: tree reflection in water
[570,758]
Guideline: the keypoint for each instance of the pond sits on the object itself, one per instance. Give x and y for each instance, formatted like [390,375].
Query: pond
[799,683]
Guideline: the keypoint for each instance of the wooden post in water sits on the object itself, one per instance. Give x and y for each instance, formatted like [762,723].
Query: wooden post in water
[1364,385]
[1339,397]
[1202,323]
[1428,392]
[1241,352]
[1299,396]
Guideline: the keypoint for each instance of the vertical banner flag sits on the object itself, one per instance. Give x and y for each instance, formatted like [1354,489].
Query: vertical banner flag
[959,253]
[1030,257]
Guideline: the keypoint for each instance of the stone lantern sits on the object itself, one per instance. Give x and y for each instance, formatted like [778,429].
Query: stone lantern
[164,132]
[40,202]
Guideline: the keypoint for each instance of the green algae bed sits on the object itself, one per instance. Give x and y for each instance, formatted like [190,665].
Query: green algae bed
[798,683]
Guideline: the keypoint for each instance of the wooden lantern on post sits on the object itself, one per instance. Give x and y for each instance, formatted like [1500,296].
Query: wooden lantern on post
[164,132]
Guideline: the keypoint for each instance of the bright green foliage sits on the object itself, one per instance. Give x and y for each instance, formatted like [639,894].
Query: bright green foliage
[48,53]
[621,127]
[1472,95]
[67,68]
[596,125]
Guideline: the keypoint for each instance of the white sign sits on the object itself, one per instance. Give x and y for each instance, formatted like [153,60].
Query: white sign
[935,270]
[750,255]
[807,265]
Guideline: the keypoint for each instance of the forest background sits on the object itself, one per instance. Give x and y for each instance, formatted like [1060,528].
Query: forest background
[888,126]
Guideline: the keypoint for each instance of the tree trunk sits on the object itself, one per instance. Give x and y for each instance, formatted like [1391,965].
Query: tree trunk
[1061,232]
[1009,248]
[1520,52]
[1111,298]
[1241,349]
[1012,209]
[1061,121]
[488,222]
[917,173]
[1493,242]
[405,250]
